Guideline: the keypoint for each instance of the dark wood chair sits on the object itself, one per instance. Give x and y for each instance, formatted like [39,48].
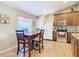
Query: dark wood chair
[39,41]
[21,40]
[42,34]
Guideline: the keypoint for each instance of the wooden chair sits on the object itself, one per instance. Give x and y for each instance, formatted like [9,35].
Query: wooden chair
[39,41]
[21,40]
[42,34]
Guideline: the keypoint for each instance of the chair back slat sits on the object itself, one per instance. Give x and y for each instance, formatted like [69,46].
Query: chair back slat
[42,33]
[20,34]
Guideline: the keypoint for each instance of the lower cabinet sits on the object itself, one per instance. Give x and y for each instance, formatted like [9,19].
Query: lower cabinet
[68,37]
[75,46]
[78,49]
[54,36]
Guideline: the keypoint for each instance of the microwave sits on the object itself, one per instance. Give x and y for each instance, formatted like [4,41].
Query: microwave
[62,22]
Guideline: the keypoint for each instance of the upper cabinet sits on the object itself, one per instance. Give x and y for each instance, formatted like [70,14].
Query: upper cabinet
[69,19]
[54,22]
[75,18]
[57,18]
[72,18]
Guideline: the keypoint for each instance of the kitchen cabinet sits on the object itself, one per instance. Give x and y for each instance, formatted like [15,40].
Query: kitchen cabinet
[68,37]
[75,46]
[59,17]
[69,19]
[65,16]
[75,18]
[55,21]
[72,18]
[54,36]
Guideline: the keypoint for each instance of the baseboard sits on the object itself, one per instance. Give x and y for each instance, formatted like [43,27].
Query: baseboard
[7,49]
[48,39]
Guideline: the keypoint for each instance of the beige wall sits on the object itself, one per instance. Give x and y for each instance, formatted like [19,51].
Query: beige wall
[7,31]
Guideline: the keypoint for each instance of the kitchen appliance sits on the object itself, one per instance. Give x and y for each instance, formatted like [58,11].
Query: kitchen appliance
[61,29]
[61,22]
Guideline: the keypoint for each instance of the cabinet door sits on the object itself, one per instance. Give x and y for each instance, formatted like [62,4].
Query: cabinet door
[55,21]
[68,37]
[76,48]
[76,18]
[64,16]
[69,19]
[54,36]
[57,18]
[73,45]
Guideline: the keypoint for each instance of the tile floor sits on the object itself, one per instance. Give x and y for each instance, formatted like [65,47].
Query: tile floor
[51,49]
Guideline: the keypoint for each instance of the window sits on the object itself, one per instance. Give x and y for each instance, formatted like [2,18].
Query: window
[24,23]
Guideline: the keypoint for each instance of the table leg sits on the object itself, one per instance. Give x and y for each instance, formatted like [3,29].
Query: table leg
[39,44]
[29,40]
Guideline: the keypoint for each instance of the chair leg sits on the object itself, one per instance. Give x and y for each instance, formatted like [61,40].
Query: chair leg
[32,44]
[42,44]
[39,47]
[18,49]
[24,49]
[36,44]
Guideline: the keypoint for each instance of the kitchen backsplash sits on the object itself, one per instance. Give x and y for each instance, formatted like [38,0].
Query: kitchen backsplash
[69,28]
[73,28]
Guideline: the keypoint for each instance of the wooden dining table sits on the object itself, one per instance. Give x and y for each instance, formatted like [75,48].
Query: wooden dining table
[31,36]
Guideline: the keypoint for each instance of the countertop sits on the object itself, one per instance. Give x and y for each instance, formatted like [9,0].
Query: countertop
[76,35]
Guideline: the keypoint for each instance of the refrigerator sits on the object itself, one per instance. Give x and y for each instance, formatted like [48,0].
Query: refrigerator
[47,26]
[48,31]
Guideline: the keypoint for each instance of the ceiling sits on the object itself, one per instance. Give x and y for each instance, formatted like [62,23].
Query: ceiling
[40,7]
